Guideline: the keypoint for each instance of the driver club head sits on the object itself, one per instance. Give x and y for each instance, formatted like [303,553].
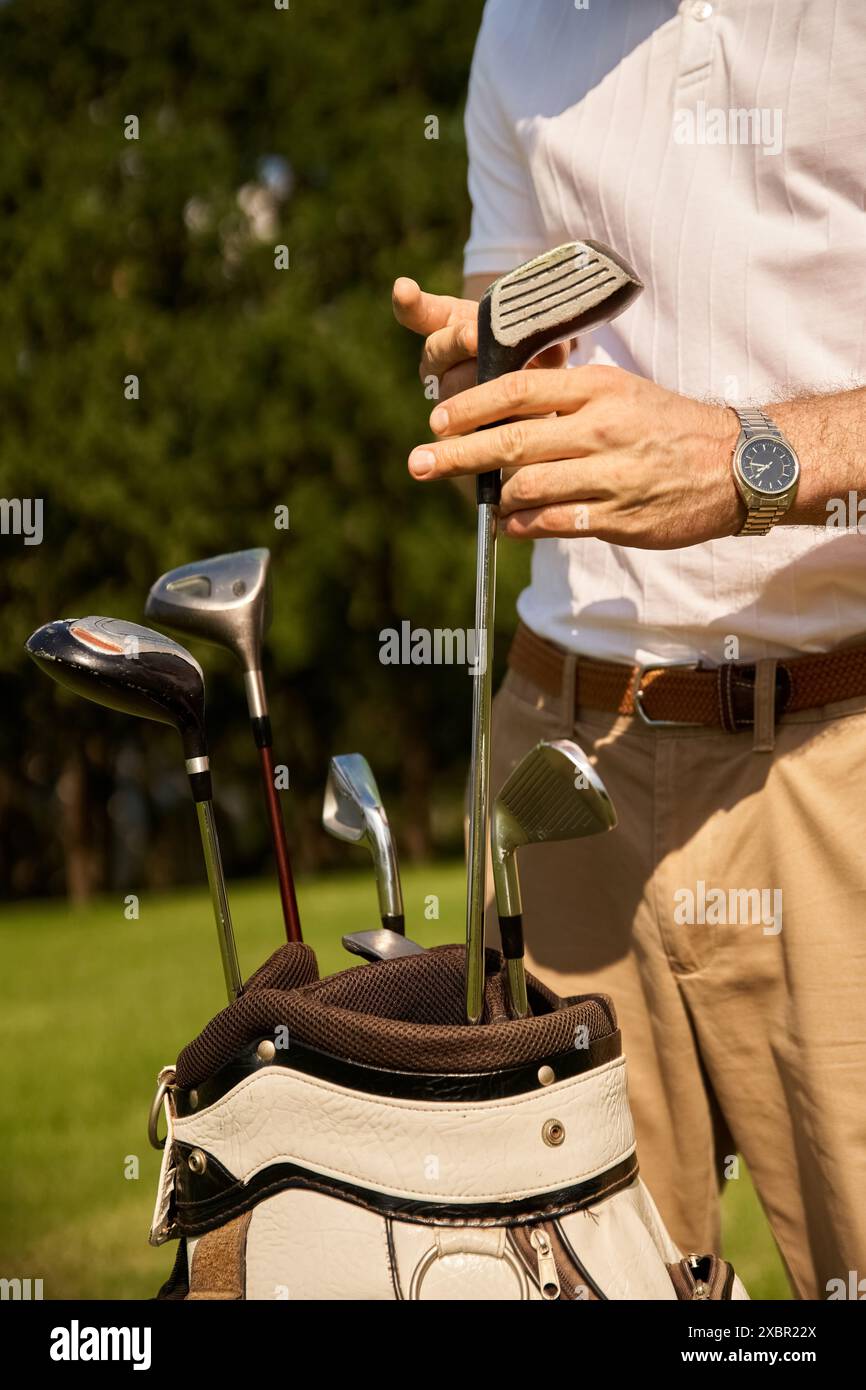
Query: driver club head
[132,669]
[554,793]
[225,601]
[558,295]
[128,668]
[353,811]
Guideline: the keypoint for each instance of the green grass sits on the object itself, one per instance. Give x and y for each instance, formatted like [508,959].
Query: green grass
[91,1005]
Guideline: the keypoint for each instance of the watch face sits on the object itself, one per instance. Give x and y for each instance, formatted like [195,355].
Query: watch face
[768,465]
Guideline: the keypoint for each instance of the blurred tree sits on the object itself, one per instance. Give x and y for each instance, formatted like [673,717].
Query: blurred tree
[153,259]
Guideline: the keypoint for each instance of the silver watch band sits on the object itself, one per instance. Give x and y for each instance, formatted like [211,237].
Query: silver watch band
[762,518]
[756,422]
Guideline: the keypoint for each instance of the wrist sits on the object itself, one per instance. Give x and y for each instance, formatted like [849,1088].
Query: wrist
[809,507]
[732,508]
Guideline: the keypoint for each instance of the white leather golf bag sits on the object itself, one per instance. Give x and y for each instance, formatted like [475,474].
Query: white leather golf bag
[353,1138]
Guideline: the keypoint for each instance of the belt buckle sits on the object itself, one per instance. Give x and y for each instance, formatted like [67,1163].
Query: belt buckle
[637,694]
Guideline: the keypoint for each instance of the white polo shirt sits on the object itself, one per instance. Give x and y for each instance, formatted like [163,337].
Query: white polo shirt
[721,148]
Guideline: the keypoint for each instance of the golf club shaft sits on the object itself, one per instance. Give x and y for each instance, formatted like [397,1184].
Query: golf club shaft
[222,915]
[479,775]
[517,996]
[511,930]
[281,850]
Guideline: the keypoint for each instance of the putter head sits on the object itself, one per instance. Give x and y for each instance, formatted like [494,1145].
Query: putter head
[128,668]
[353,811]
[554,793]
[225,601]
[557,296]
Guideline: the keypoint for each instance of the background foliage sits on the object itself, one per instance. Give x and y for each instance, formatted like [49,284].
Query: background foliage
[258,388]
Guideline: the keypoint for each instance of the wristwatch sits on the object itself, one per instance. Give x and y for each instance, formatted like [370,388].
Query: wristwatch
[766,471]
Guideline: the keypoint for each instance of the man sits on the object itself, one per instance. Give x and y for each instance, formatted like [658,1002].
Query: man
[721,148]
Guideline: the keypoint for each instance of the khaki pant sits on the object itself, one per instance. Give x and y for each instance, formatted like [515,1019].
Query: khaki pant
[740,1037]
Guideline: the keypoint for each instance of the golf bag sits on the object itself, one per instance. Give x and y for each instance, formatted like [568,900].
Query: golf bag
[353,1138]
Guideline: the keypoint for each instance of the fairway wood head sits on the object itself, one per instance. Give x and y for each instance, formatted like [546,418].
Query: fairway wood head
[353,811]
[559,295]
[225,600]
[554,793]
[128,668]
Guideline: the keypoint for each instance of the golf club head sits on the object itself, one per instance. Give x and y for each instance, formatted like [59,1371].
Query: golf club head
[557,296]
[554,793]
[128,668]
[353,812]
[382,944]
[225,601]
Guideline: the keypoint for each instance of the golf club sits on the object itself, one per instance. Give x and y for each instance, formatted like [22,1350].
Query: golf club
[226,601]
[557,296]
[131,669]
[554,793]
[381,944]
[353,811]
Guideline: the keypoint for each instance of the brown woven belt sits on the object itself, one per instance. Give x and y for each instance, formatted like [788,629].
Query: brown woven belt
[722,696]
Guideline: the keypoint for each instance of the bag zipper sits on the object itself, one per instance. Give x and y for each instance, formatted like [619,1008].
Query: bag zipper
[551,1262]
[702,1278]
[546,1271]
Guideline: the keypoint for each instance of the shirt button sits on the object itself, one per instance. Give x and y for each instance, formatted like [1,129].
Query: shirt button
[701,9]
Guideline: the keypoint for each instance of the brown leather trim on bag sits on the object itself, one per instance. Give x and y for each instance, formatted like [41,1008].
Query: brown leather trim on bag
[219,1262]
[718,697]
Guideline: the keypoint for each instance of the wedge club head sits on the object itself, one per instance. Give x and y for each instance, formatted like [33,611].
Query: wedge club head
[550,299]
[554,793]
[353,811]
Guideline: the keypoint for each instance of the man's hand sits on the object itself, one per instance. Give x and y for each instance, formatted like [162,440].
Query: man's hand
[621,458]
[450,329]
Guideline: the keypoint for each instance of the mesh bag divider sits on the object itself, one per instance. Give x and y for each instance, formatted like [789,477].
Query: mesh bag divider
[405,1015]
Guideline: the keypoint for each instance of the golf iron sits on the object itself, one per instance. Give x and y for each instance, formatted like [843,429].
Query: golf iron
[381,944]
[554,793]
[557,296]
[226,601]
[129,668]
[353,811]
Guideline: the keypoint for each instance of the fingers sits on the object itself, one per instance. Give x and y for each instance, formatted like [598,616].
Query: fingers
[505,446]
[423,313]
[448,347]
[565,522]
[548,484]
[537,392]
[457,379]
